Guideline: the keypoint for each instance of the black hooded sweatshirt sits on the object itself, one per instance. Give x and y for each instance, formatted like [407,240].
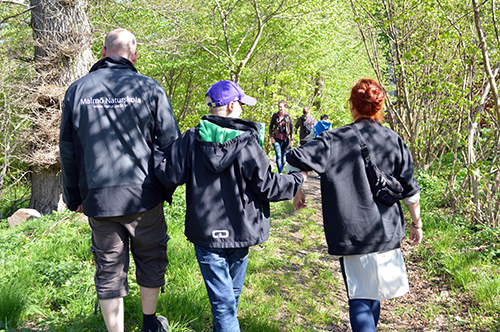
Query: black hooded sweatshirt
[229,182]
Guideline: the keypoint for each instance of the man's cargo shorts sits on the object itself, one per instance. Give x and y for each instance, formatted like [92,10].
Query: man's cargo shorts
[147,233]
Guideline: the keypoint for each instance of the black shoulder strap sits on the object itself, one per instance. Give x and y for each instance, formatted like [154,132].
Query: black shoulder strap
[362,144]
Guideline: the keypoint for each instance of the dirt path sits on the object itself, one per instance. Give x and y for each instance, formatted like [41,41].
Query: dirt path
[430,306]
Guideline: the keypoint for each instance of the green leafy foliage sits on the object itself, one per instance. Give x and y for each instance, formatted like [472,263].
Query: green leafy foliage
[12,304]
[187,47]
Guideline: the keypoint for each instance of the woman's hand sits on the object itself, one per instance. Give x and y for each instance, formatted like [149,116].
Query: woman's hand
[416,235]
[299,201]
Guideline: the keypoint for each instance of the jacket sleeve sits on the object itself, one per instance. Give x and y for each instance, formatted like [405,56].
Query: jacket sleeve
[314,156]
[68,157]
[171,162]
[166,127]
[315,128]
[298,122]
[290,127]
[404,172]
[269,186]
[272,124]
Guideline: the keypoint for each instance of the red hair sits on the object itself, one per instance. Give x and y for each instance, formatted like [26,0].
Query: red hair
[367,98]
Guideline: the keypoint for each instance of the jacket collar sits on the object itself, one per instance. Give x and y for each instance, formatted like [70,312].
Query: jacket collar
[233,124]
[366,119]
[113,62]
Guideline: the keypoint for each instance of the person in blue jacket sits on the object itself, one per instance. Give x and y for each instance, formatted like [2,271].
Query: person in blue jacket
[229,185]
[322,125]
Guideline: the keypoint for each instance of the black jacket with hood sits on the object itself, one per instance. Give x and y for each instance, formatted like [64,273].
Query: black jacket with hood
[229,182]
[354,222]
[109,120]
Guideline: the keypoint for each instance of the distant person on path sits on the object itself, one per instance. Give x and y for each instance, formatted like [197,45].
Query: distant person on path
[364,233]
[229,185]
[305,124]
[322,125]
[109,120]
[281,134]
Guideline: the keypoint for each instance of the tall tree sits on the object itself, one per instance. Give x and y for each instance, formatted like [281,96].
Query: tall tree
[63,40]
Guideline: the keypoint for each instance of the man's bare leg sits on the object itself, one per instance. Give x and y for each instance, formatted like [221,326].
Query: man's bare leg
[113,314]
[149,299]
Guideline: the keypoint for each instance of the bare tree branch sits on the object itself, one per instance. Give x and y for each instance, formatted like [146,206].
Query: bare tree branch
[494,18]
[373,61]
[260,27]
[486,58]
[206,49]
[16,15]
[13,2]
[223,17]
[250,29]
[261,20]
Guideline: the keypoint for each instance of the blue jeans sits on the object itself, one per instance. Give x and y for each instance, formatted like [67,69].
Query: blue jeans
[280,148]
[224,272]
[364,315]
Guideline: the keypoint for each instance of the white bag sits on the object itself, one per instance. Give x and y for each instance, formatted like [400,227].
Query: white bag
[376,276]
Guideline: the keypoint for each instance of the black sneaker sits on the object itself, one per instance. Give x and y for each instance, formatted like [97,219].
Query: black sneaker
[162,324]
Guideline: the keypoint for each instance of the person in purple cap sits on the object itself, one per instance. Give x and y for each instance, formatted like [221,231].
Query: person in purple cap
[229,185]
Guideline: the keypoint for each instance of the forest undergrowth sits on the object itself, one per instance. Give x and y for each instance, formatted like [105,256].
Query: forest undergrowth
[292,284]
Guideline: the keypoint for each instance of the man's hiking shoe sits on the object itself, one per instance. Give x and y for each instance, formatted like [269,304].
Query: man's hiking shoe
[162,324]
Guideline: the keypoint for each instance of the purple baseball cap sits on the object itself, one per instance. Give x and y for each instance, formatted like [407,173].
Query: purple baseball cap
[225,92]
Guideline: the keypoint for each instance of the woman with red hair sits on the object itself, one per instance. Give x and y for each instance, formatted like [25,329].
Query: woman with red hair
[364,233]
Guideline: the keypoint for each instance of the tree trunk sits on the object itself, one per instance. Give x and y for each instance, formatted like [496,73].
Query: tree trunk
[318,92]
[187,97]
[63,39]
[46,194]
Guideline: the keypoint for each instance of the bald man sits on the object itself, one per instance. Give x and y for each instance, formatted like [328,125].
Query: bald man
[109,120]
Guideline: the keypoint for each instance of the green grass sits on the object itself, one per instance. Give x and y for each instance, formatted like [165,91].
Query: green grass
[292,284]
[464,256]
[12,304]
[290,280]
[13,198]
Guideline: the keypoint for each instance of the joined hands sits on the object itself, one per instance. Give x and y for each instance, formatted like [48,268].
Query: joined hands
[299,201]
